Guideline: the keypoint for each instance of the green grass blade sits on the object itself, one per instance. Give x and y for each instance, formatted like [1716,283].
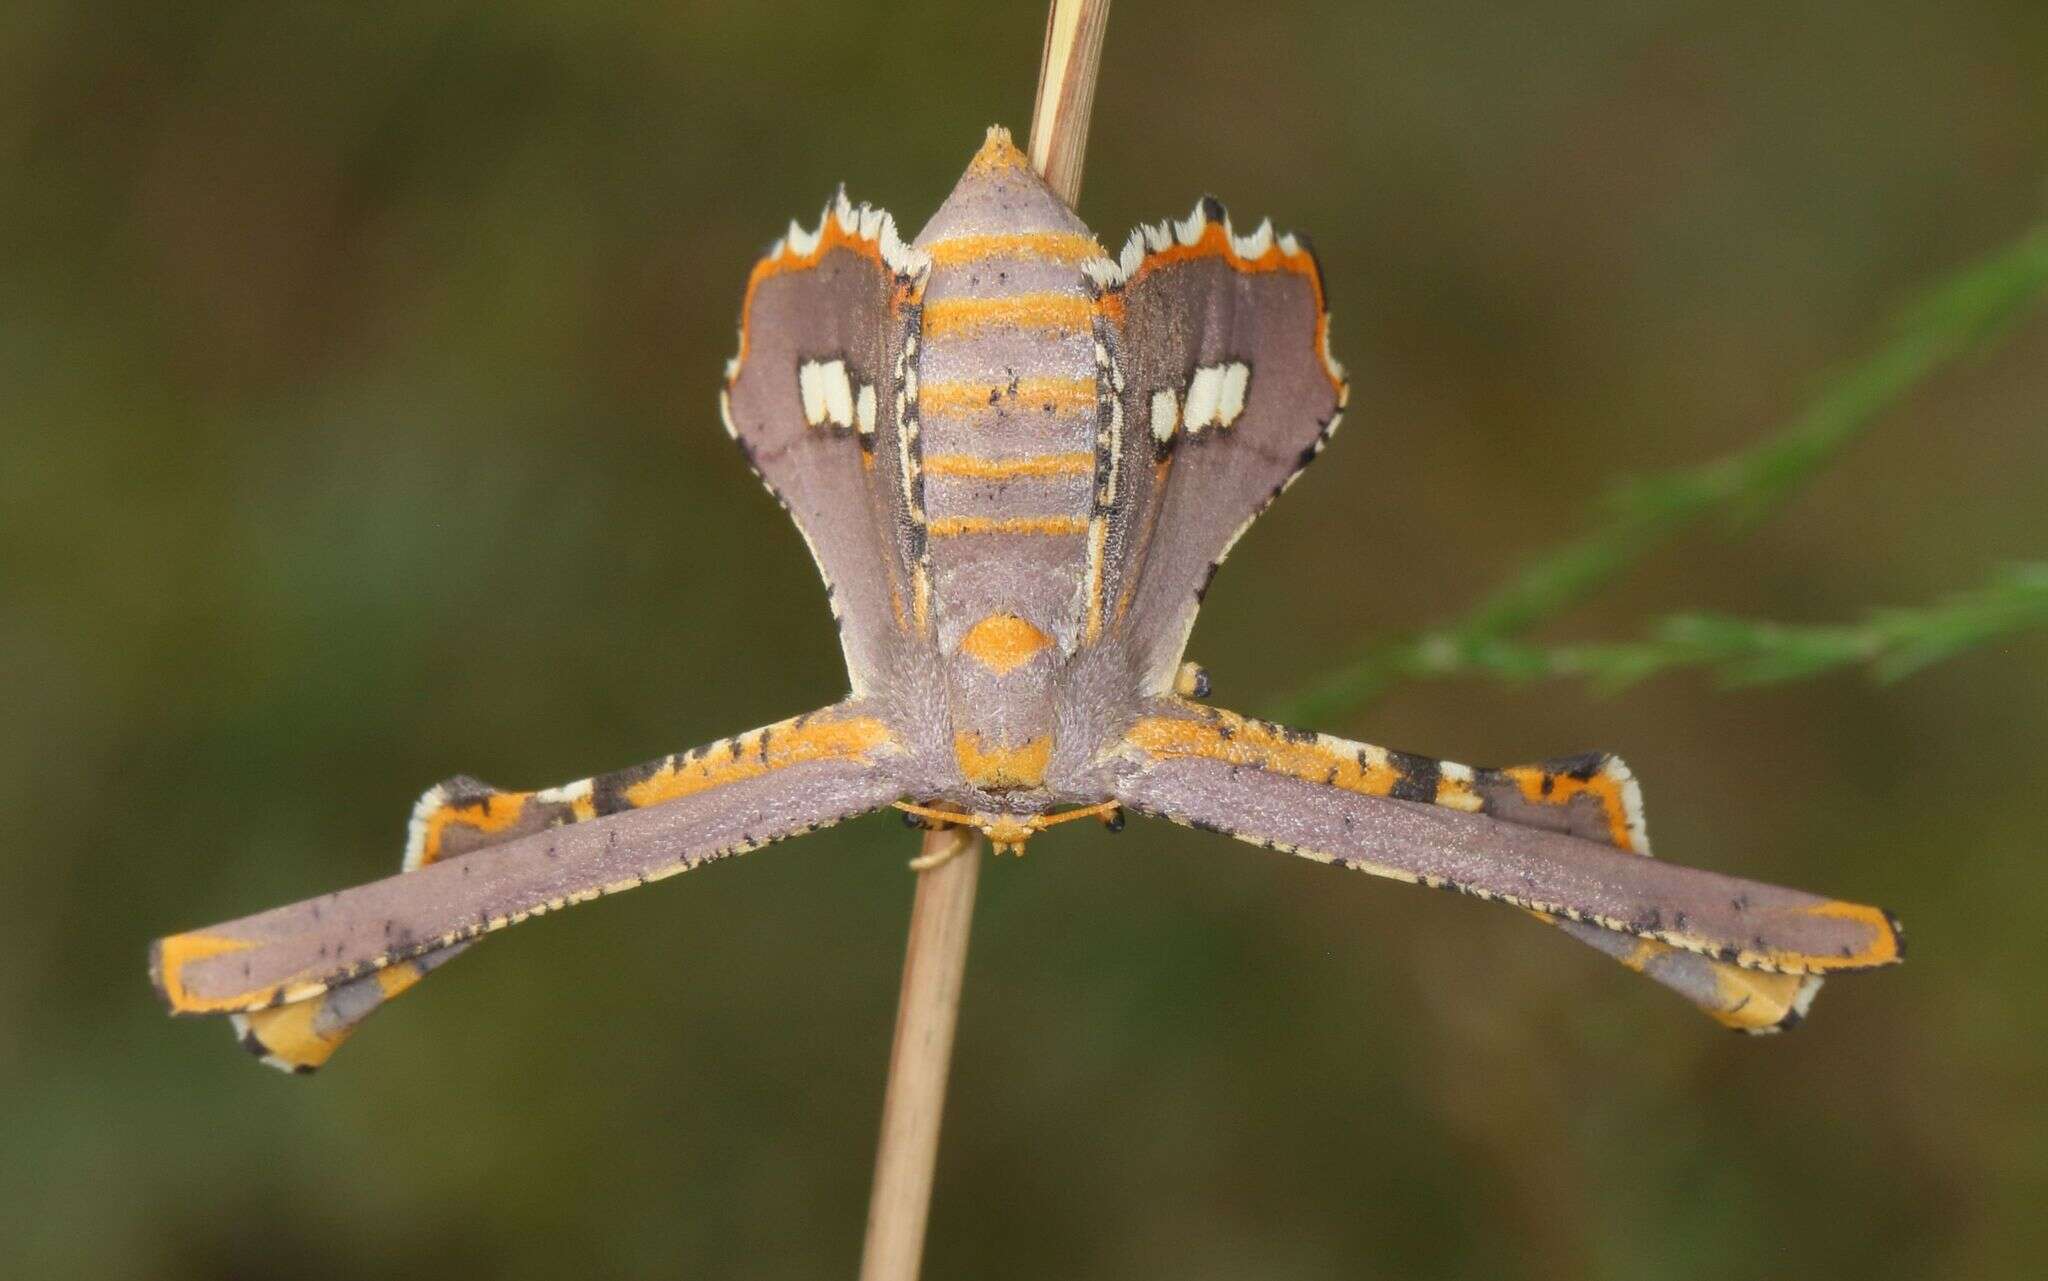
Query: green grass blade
[1963,313]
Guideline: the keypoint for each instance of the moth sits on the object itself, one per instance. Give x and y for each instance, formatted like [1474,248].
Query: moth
[1018,462]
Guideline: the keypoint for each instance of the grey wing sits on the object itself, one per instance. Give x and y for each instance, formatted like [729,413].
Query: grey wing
[301,977]
[1596,796]
[1228,392]
[1363,807]
[813,397]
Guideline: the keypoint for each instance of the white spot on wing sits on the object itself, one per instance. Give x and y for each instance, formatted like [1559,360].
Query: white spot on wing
[1216,396]
[838,395]
[1236,377]
[1165,415]
[826,392]
[1205,389]
[864,409]
[810,384]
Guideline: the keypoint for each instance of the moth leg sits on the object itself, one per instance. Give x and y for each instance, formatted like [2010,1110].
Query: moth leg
[1554,838]
[928,819]
[944,854]
[298,980]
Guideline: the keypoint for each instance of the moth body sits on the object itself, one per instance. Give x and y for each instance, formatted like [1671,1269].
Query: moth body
[1007,399]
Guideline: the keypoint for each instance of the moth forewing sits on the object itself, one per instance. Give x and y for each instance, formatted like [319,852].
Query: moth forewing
[1227,391]
[1410,819]
[817,400]
[481,859]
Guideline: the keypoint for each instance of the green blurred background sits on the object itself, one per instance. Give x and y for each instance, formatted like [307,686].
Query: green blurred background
[359,428]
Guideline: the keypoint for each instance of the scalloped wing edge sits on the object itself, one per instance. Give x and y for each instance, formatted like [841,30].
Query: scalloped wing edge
[1244,252]
[840,221]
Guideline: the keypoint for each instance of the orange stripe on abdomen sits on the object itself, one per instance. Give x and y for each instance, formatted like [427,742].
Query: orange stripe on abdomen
[1038,246]
[977,467]
[1050,312]
[1027,395]
[1050,526]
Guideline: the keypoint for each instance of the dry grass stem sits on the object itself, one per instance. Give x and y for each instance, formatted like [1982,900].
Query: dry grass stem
[935,962]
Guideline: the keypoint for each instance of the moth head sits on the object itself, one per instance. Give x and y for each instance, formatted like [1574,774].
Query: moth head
[1008,833]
